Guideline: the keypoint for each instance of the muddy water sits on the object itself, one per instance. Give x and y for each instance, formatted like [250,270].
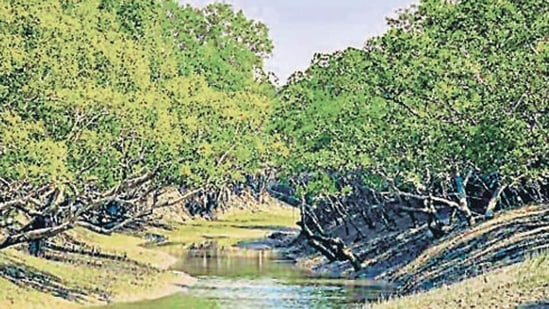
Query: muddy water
[242,278]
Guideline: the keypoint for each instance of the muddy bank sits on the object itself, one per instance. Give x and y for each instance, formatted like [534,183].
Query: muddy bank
[277,239]
[413,260]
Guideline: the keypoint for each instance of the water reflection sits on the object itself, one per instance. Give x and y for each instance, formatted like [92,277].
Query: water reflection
[231,262]
[238,278]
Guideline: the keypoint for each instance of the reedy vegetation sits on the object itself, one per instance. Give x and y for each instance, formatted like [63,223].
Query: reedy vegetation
[112,101]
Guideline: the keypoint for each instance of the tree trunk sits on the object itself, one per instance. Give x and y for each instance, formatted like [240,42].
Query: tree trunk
[489,213]
[332,248]
[463,205]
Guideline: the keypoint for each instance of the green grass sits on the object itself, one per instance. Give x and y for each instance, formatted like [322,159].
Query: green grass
[173,301]
[235,226]
[127,283]
[122,280]
[13,296]
[122,243]
[507,287]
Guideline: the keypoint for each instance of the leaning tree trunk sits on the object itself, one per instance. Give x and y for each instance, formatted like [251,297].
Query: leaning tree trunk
[463,205]
[489,213]
[332,248]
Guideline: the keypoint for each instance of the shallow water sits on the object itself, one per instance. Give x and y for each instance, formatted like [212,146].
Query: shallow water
[239,278]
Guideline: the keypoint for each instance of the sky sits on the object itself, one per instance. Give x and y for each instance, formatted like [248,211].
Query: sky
[300,28]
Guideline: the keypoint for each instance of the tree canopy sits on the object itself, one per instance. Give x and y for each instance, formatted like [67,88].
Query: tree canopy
[446,113]
[108,102]
[110,81]
[94,93]
[449,87]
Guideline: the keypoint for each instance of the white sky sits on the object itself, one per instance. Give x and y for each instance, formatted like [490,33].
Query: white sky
[299,28]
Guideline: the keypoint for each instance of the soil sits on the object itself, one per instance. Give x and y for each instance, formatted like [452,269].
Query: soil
[415,261]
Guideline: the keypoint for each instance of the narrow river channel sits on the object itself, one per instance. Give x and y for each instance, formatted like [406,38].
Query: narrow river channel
[259,279]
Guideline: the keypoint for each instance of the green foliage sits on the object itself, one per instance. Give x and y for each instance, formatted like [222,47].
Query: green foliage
[449,85]
[102,89]
[98,90]
[220,44]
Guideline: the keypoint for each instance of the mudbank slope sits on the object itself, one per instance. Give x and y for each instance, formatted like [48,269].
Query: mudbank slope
[524,285]
[414,260]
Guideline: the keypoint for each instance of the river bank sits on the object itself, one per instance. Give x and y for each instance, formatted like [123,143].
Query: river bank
[75,280]
[122,268]
[524,285]
[494,257]
[136,267]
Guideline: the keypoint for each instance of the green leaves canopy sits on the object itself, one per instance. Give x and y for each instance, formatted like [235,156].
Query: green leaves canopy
[97,90]
[448,86]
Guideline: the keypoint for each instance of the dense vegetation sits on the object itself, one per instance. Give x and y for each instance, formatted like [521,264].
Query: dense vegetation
[106,103]
[448,110]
